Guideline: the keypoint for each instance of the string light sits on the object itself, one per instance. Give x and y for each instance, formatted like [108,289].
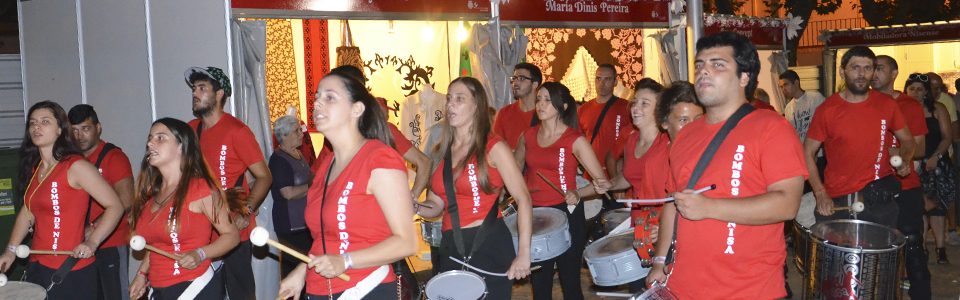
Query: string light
[462,32]
[427,32]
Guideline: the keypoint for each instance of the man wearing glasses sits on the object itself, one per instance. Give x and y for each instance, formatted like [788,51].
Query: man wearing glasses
[516,117]
[855,126]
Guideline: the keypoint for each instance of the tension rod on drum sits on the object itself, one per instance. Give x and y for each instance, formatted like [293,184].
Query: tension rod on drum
[485,271]
[664,200]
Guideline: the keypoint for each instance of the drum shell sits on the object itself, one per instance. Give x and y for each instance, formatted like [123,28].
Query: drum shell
[837,269]
[441,286]
[656,292]
[615,269]
[802,247]
[432,232]
[547,245]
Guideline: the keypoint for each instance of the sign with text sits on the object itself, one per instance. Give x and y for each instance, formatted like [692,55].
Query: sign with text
[367,9]
[585,13]
[892,35]
[766,33]
[6,197]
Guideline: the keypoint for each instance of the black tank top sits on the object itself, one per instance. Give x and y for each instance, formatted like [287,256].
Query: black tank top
[933,137]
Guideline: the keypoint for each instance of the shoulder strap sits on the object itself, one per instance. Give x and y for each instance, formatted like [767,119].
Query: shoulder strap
[199,129]
[452,208]
[62,272]
[603,113]
[103,153]
[705,159]
[534,121]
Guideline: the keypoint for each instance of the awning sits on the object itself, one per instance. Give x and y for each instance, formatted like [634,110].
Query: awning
[586,13]
[766,33]
[433,10]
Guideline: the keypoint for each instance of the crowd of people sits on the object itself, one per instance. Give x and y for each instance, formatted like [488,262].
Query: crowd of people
[194,196]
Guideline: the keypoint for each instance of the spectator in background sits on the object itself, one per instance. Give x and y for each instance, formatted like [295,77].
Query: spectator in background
[938,91]
[291,180]
[764,102]
[799,111]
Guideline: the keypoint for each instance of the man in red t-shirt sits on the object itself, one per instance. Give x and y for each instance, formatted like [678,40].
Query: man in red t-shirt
[615,125]
[910,202]
[231,150]
[516,117]
[729,241]
[114,165]
[854,126]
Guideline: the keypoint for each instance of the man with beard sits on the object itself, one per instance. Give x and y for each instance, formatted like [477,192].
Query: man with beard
[230,150]
[853,127]
[729,241]
[516,117]
[114,165]
[910,202]
[605,120]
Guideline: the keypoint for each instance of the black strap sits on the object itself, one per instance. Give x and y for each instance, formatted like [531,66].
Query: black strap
[323,198]
[239,182]
[103,153]
[454,212]
[704,161]
[534,121]
[603,113]
[62,272]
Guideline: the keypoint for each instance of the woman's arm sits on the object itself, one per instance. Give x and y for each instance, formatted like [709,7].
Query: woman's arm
[83,175]
[422,162]
[294,192]
[520,154]
[219,216]
[20,228]
[436,202]
[500,158]
[944,121]
[139,285]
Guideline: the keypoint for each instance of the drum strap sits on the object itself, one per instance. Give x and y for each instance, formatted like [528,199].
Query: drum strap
[454,213]
[62,272]
[704,161]
[103,153]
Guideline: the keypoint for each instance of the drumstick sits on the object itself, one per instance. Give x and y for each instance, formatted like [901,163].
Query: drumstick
[856,207]
[595,177]
[664,200]
[422,204]
[138,243]
[551,184]
[260,236]
[622,295]
[534,268]
[23,251]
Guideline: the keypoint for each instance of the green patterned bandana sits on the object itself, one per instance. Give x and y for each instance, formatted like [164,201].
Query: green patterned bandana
[215,74]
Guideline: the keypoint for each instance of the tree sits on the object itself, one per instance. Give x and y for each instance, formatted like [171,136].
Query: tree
[726,7]
[802,9]
[896,12]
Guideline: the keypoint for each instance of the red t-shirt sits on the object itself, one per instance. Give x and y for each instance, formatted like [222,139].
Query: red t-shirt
[230,148]
[556,162]
[759,104]
[616,125]
[648,175]
[913,115]
[114,167]
[721,260]
[855,142]
[511,122]
[472,203]
[159,229]
[59,210]
[352,219]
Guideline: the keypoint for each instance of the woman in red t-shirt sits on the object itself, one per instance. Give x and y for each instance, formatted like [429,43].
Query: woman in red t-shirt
[178,204]
[58,184]
[557,112]
[359,205]
[481,164]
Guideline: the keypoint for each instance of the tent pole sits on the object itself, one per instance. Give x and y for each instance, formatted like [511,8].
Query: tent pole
[695,19]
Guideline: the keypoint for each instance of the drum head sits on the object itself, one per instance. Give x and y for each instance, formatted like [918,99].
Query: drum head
[545,220]
[610,245]
[455,285]
[591,208]
[20,290]
[617,215]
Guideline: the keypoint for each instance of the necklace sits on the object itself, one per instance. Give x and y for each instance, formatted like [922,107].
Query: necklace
[165,199]
[42,178]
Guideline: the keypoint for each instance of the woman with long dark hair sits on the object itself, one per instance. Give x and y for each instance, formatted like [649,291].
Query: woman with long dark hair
[177,206]
[481,164]
[358,207]
[936,170]
[554,149]
[58,183]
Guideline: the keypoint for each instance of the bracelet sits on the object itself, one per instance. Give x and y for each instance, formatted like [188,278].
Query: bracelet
[251,209]
[578,194]
[819,191]
[12,248]
[142,273]
[203,255]
[659,259]
[348,262]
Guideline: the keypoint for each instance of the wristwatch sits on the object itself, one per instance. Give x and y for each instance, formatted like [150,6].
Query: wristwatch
[939,156]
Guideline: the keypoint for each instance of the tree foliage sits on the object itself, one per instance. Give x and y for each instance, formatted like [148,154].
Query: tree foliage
[726,7]
[803,9]
[896,12]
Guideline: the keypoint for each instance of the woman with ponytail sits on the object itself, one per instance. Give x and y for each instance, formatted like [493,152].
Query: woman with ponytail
[358,207]
[480,164]
[177,206]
